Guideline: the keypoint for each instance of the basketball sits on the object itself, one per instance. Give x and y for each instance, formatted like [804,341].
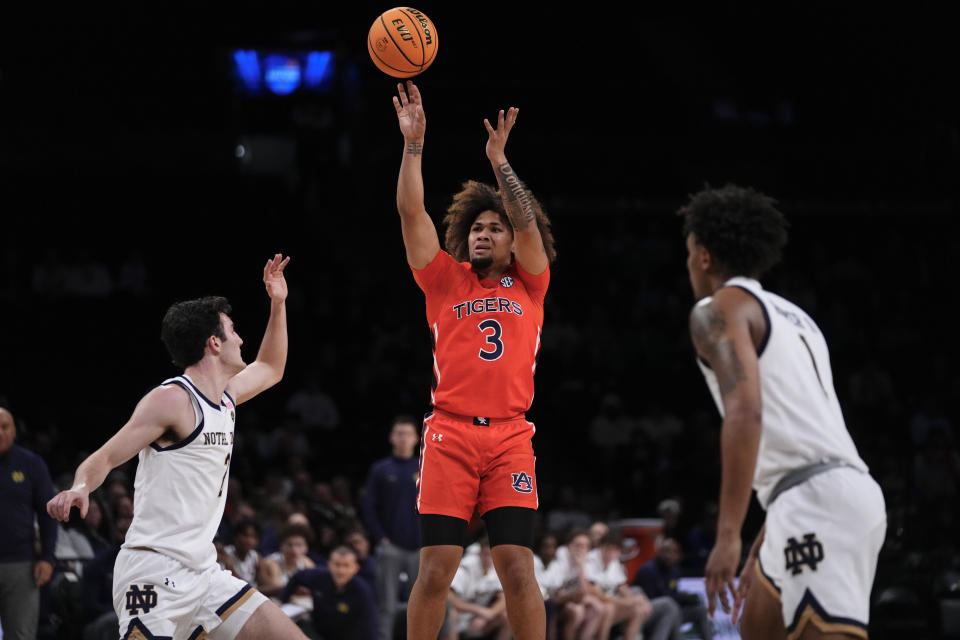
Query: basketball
[402,42]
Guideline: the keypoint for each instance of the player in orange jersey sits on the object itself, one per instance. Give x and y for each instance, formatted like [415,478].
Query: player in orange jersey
[485,310]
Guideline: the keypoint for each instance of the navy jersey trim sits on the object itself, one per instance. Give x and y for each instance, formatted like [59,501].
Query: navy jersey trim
[137,629]
[766,316]
[190,438]
[765,575]
[229,603]
[230,398]
[199,393]
[810,600]
[196,633]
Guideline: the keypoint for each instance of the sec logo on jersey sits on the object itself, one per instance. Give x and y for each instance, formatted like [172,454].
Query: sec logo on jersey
[506,281]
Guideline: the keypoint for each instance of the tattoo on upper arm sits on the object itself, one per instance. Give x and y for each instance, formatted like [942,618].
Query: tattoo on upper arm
[708,328]
[517,200]
[415,148]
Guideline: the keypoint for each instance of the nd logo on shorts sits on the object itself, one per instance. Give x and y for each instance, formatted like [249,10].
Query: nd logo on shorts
[522,483]
[138,599]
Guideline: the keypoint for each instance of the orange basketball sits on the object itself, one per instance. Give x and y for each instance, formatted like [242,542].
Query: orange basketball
[402,42]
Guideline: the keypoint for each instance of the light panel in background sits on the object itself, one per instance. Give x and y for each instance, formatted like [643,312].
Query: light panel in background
[282,73]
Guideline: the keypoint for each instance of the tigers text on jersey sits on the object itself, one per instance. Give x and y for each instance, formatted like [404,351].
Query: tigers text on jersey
[180,490]
[486,335]
[802,420]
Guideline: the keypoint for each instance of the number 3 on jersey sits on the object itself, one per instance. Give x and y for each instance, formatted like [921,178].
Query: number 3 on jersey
[493,339]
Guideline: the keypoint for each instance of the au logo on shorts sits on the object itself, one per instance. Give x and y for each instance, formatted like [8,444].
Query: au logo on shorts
[522,482]
[141,599]
[809,552]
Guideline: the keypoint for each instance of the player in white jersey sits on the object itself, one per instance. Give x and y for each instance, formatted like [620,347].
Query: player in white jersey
[167,583]
[810,572]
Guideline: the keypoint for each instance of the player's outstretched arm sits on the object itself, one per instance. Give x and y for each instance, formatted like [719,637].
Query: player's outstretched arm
[419,233]
[267,369]
[720,331]
[163,409]
[522,208]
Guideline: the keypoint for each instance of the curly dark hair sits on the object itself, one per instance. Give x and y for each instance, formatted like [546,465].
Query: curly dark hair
[470,202]
[187,325]
[741,228]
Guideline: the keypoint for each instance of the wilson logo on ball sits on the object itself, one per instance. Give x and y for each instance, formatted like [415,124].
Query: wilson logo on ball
[402,42]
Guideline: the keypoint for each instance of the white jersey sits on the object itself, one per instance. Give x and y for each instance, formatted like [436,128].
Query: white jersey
[180,490]
[607,577]
[802,420]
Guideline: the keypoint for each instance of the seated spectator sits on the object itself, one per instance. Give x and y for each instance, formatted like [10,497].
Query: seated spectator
[605,571]
[97,591]
[344,607]
[300,518]
[243,559]
[545,555]
[579,611]
[546,550]
[477,597]
[356,538]
[597,530]
[659,577]
[78,539]
[292,557]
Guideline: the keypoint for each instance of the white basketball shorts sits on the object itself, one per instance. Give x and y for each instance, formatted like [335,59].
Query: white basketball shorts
[156,596]
[819,553]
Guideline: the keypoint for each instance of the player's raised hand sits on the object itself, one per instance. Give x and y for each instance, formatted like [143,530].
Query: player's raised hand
[59,505]
[410,115]
[720,570]
[497,138]
[273,277]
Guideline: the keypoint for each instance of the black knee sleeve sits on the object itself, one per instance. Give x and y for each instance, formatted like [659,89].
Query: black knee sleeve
[436,529]
[510,525]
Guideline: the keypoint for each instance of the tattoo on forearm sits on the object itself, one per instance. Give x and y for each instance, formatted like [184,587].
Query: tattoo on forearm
[519,203]
[415,148]
[708,328]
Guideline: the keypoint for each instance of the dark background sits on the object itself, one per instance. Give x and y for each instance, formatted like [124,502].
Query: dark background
[118,139]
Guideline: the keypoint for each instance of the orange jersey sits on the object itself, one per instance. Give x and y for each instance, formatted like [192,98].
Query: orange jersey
[486,335]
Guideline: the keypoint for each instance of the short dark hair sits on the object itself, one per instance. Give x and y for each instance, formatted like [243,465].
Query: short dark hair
[245,524]
[344,550]
[291,530]
[741,228]
[470,202]
[576,533]
[187,325]
[405,419]
[612,538]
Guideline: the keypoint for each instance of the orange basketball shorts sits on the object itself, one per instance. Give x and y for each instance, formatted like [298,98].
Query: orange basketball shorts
[467,466]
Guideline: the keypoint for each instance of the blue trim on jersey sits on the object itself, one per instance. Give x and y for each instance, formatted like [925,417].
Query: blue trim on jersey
[196,633]
[230,397]
[136,625]
[766,316]
[205,399]
[190,438]
[229,603]
[177,445]
[810,600]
